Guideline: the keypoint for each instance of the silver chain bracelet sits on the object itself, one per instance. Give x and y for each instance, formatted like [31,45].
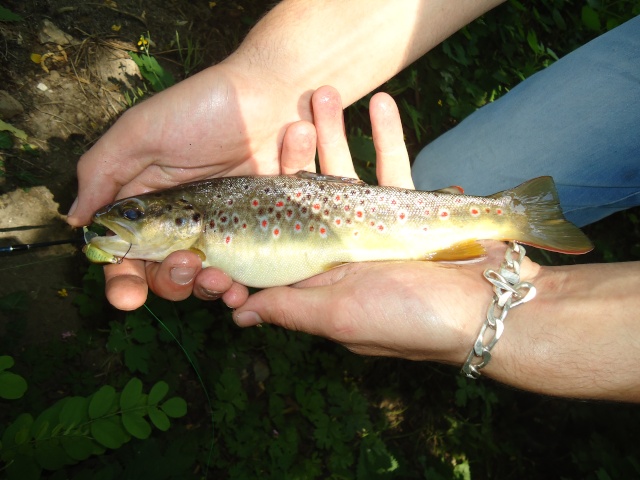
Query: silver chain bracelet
[508,292]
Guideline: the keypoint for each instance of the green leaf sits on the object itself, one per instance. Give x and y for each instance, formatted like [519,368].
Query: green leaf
[590,18]
[532,40]
[144,334]
[152,71]
[78,447]
[136,358]
[12,386]
[17,433]
[175,407]
[74,411]
[159,419]
[7,15]
[109,432]
[136,425]
[6,362]
[51,456]
[5,127]
[158,392]
[131,394]
[102,401]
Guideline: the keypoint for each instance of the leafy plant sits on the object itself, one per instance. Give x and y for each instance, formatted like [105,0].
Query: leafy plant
[12,386]
[76,428]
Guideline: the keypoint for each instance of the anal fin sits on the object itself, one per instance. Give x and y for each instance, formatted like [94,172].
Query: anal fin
[467,250]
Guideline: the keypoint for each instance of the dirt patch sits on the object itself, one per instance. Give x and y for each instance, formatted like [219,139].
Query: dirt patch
[67,66]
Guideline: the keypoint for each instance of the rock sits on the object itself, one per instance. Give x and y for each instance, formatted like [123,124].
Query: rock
[9,106]
[49,33]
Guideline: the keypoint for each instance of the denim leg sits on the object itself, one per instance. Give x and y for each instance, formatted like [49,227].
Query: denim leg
[578,121]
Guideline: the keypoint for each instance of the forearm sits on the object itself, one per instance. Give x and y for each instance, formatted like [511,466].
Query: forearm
[580,336]
[353,45]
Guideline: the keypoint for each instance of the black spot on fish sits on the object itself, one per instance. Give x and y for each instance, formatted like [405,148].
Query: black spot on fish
[270,210]
[236,219]
[212,224]
[195,217]
[278,215]
[261,211]
[303,209]
[367,191]
[325,199]
[168,208]
[179,221]
[267,190]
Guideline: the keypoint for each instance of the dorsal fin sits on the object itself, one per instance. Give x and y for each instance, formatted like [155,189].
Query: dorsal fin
[327,178]
[452,190]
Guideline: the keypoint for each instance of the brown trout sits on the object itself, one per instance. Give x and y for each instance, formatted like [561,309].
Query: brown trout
[266,231]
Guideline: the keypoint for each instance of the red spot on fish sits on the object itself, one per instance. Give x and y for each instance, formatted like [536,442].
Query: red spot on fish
[227,239]
[474,212]
[337,199]
[264,223]
[444,214]
[499,211]
[355,233]
[316,206]
[323,231]
[372,224]
[255,203]
[427,213]
[297,227]
[347,208]
[381,228]
[488,210]
[276,232]
[394,201]
[298,194]
[280,204]
[338,221]
[244,225]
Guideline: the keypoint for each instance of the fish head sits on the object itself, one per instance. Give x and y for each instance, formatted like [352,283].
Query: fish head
[149,227]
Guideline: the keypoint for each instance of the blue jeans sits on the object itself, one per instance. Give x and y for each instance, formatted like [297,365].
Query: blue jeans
[578,121]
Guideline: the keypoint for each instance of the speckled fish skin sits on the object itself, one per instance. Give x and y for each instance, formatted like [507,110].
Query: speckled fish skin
[276,230]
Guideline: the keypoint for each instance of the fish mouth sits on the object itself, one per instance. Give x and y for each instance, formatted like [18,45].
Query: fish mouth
[118,239]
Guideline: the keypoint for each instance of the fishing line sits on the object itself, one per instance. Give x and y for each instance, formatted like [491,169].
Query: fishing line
[204,388]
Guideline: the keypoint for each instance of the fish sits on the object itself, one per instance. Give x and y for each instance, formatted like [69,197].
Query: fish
[267,231]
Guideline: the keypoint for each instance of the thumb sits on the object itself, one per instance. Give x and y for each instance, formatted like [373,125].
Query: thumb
[298,309]
[96,188]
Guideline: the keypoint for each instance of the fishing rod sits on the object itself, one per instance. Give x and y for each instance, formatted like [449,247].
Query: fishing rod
[29,246]
[86,236]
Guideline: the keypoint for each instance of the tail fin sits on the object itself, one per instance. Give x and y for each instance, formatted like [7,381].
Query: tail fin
[547,228]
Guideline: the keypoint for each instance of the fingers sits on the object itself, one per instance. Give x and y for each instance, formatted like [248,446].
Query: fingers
[298,148]
[126,285]
[333,150]
[392,160]
[298,309]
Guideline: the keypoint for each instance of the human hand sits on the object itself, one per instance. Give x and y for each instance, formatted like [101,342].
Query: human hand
[181,274]
[414,310]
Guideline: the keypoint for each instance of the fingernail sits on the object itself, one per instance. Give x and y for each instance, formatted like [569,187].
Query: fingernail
[74,205]
[182,275]
[247,319]
[212,294]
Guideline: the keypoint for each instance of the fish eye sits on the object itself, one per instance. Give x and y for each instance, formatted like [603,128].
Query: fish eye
[132,213]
